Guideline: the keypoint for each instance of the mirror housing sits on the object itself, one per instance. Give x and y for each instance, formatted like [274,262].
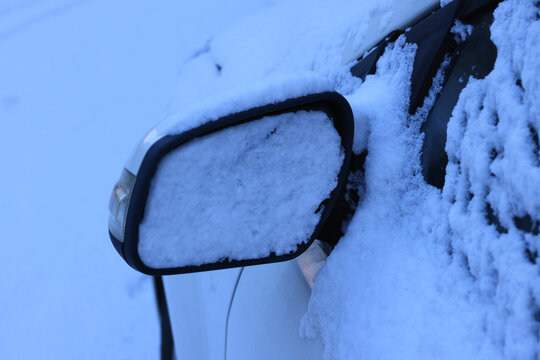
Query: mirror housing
[129,198]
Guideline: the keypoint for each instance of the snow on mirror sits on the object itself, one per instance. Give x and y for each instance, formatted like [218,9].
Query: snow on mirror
[241,193]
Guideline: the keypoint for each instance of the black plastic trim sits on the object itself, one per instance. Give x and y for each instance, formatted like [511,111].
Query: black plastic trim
[474,57]
[431,34]
[434,40]
[471,6]
[368,64]
[117,244]
[167,341]
[335,105]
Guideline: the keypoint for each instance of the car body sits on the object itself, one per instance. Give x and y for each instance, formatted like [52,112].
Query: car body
[255,311]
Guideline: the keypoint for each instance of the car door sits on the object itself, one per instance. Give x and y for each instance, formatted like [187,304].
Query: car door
[198,305]
[266,312]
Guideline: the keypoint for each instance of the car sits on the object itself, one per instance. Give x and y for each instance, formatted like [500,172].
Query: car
[247,301]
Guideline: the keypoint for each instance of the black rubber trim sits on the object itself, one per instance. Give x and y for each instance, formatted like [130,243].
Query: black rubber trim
[434,40]
[117,244]
[167,341]
[469,7]
[346,204]
[432,35]
[368,64]
[332,103]
[474,57]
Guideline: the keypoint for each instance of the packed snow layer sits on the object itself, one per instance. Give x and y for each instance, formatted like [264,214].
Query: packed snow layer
[236,99]
[241,193]
[290,37]
[422,274]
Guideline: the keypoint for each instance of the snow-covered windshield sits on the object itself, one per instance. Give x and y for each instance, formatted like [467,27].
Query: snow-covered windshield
[241,193]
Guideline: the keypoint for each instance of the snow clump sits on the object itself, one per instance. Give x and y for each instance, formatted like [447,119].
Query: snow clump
[241,193]
[425,274]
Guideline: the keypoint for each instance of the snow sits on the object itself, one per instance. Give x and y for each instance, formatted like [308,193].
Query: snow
[241,193]
[236,99]
[285,39]
[494,168]
[461,31]
[420,274]
[80,82]
[384,274]
[445,2]
[239,98]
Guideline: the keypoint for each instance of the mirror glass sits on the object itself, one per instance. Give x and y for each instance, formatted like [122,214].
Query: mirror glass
[241,193]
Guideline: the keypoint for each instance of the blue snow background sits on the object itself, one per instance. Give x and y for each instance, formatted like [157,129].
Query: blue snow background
[80,82]
[421,273]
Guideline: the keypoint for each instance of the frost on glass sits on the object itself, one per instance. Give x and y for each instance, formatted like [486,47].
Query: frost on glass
[241,193]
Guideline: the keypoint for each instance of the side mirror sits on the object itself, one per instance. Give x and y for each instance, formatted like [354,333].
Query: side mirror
[247,188]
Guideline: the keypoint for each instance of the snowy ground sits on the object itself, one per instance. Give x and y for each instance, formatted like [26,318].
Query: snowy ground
[80,81]
[420,273]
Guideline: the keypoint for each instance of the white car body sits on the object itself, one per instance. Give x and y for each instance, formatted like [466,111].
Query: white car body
[255,312]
